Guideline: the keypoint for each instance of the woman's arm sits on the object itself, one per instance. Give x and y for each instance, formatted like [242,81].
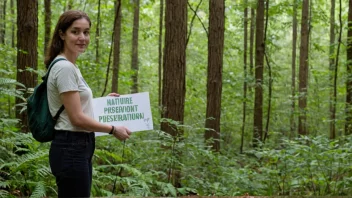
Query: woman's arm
[71,101]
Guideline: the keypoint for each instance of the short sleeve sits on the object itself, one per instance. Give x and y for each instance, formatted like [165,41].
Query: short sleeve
[66,77]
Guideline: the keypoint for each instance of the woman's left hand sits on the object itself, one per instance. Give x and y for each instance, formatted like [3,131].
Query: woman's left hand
[114,94]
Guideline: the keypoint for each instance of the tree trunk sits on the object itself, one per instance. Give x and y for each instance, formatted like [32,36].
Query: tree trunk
[160,47]
[27,37]
[336,67]
[174,63]
[117,46]
[244,104]
[12,5]
[348,125]
[97,35]
[303,70]
[270,84]
[293,68]
[3,21]
[174,73]
[332,70]
[251,43]
[47,23]
[259,69]
[134,64]
[214,80]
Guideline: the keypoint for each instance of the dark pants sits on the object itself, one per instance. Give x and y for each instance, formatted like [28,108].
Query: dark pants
[71,162]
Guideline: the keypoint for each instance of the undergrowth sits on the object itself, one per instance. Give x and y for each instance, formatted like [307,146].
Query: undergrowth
[142,166]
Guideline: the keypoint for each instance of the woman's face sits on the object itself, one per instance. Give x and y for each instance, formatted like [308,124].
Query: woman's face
[76,38]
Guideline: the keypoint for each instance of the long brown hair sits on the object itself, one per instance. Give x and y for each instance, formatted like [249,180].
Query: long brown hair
[57,44]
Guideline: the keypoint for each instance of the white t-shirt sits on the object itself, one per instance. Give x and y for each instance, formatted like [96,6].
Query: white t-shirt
[65,76]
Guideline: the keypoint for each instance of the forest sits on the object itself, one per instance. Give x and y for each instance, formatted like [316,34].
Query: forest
[247,96]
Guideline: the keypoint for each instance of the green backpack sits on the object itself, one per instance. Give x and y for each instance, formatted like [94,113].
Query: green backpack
[41,123]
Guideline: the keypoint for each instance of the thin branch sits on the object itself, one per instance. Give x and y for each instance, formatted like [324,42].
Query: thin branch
[244,103]
[195,14]
[337,62]
[112,44]
[270,75]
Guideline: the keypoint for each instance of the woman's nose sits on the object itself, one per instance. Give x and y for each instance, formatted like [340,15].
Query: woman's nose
[82,36]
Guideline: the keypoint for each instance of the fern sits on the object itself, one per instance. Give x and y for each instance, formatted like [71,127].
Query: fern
[29,159]
[5,87]
[8,122]
[4,193]
[44,171]
[6,72]
[23,163]
[143,170]
[170,190]
[106,155]
[128,169]
[39,190]
[9,81]
[4,184]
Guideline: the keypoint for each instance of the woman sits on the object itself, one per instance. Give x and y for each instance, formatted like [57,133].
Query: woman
[72,149]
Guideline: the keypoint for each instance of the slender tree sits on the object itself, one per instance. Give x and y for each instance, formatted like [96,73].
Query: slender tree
[4,18]
[332,70]
[174,72]
[12,6]
[134,63]
[348,125]
[303,70]
[12,33]
[27,37]
[97,35]
[2,21]
[259,70]
[245,42]
[270,86]
[251,43]
[337,66]
[3,41]
[214,78]
[160,46]
[293,67]
[47,23]
[116,46]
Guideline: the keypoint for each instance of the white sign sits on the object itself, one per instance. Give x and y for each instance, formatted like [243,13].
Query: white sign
[132,111]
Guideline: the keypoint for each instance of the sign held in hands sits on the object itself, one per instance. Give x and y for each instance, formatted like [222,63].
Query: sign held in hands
[132,111]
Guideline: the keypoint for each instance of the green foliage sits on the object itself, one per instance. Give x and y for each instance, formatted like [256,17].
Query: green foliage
[23,169]
[6,83]
[143,165]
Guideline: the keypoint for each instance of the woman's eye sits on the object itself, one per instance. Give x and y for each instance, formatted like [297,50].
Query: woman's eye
[86,33]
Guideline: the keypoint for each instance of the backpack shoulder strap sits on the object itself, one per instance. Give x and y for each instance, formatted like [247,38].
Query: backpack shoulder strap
[45,79]
[59,112]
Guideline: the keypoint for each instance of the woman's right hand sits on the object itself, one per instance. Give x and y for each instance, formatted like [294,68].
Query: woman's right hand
[121,132]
